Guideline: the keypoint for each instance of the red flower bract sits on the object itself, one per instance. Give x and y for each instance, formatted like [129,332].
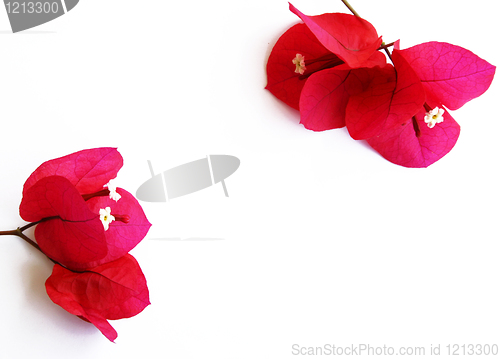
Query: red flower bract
[325,44]
[88,170]
[452,74]
[391,116]
[71,233]
[414,144]
[326,94]
[95,277]
[282,80]
[351,38]
[114,290]
[121,237]
[329,68]
[387,103]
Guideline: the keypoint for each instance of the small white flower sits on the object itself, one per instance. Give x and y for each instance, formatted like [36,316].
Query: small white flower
[106,217]
[112,191]
[300,64]
[434,116]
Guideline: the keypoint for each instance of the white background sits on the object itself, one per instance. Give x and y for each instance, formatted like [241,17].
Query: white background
[324,241]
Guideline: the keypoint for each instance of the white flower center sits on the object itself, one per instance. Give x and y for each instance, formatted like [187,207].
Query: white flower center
[106,217]
[112,190]
[300,64]
[434,116]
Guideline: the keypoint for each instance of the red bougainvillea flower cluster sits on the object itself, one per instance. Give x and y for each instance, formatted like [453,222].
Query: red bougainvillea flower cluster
[87,226]
[331,69]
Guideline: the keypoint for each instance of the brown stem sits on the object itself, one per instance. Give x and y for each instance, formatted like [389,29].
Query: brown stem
[28,240]
[346,3]
[29,225]
[19,232]
[384,46]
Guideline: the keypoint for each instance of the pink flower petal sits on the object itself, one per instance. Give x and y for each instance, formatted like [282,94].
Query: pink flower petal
[282,80]
[75,234]
[120,237]
[114,290]
[452,74]
[324,97]
[387,103]
[351,38]
[403,147]
[88,170]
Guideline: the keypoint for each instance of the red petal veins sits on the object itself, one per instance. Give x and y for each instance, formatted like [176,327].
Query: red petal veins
[72,244]
[452,74]
[54,196]
[120,237]
[112,291]
[76,235]
[88,170]
[351,38]
[402,146]
[386,104]
[324,97]
[282,80]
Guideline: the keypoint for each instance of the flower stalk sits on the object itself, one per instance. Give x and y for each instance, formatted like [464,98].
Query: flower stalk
[19,232]
[351,9]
